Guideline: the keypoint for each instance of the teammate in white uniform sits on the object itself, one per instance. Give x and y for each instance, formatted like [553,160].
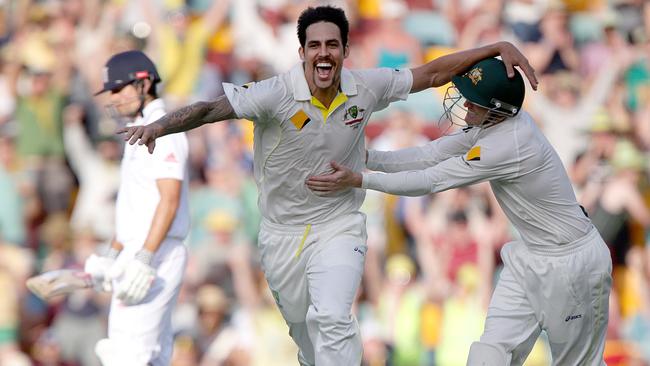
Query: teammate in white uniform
[312,247]
[152,220]
[557,278]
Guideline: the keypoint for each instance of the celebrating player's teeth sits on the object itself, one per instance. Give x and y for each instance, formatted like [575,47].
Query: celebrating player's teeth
[324,70]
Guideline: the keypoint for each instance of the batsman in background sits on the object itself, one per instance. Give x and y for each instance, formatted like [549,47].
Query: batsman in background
[557,277]
[313,247]
[152,220]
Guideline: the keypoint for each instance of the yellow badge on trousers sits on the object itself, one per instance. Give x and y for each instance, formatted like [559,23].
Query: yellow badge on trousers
[474,154]
[300,119]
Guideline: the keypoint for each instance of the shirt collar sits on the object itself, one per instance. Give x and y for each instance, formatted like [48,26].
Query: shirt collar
[148,110]
[301,88]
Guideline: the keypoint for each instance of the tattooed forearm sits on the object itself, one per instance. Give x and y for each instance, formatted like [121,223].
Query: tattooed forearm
[196,114]
[219,110]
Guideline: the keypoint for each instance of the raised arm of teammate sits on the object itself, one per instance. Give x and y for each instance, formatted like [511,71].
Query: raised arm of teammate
[439,71]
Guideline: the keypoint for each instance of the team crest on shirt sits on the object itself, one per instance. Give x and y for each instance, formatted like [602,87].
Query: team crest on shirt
[353,116]
[475,75]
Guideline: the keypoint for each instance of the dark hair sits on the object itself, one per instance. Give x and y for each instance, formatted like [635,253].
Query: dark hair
[153,89]
[323,14]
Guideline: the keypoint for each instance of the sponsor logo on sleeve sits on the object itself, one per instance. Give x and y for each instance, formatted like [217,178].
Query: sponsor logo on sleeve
[473,154]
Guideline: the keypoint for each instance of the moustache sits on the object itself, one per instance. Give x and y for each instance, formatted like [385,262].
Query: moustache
[326,60]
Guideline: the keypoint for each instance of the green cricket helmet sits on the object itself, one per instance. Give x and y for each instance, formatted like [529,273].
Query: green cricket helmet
[487,85]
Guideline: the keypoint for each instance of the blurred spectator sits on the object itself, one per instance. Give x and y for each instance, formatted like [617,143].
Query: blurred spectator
[264,45]
[97,170]
[484,25]
[40,73]
[621,198]
[592,167]
[12,217]
[637,319]
[7,100]
[185,351]
[54,251]
[554,51]
[47,351]
[523,17]
[463,318]
[213,310]
[180,41]
[375,352]
[387,44]
[80,323]
[257,334]
[399,309]
[564,110]
[15,267]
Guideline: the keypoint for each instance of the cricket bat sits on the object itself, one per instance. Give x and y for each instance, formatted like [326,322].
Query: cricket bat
[58,282]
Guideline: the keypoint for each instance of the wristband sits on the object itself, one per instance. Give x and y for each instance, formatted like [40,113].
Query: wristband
[144,256]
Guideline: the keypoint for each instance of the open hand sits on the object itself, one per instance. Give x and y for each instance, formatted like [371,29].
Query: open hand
[341,178]
[143,135]
[511,57]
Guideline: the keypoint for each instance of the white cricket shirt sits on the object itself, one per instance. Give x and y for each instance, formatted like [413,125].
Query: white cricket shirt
[138,194]
[295,137]
[526,175]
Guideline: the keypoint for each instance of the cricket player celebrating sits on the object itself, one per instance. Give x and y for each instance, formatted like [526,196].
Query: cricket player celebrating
[313,247]
[152,220]
[558,276]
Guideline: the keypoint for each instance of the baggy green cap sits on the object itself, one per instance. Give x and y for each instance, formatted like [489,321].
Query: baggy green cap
[486,83]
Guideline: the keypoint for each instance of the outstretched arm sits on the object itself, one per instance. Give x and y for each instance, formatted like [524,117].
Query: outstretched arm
[440,71]
[454,172]
[183,119]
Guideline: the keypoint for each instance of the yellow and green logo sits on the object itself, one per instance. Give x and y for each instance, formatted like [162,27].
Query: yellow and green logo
[476,75]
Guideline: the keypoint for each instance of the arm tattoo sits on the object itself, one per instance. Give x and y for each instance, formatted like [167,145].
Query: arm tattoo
[197,114]
[219,110]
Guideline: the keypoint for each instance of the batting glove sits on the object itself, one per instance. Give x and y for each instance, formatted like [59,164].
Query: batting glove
[137,278]
[98,267]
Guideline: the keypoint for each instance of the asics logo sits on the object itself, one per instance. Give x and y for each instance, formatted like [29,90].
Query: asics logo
[572,317]
[360,250]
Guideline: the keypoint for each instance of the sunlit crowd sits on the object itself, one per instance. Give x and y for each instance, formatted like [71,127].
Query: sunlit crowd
[432,261]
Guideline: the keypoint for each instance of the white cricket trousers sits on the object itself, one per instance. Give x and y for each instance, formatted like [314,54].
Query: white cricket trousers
[563,290]
[142,333]
[314,272]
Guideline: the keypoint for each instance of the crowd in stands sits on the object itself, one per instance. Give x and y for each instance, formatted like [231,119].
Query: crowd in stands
[432,261]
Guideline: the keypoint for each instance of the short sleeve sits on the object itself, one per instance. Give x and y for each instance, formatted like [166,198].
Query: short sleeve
[170,157]
[387,85]
[256,101]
